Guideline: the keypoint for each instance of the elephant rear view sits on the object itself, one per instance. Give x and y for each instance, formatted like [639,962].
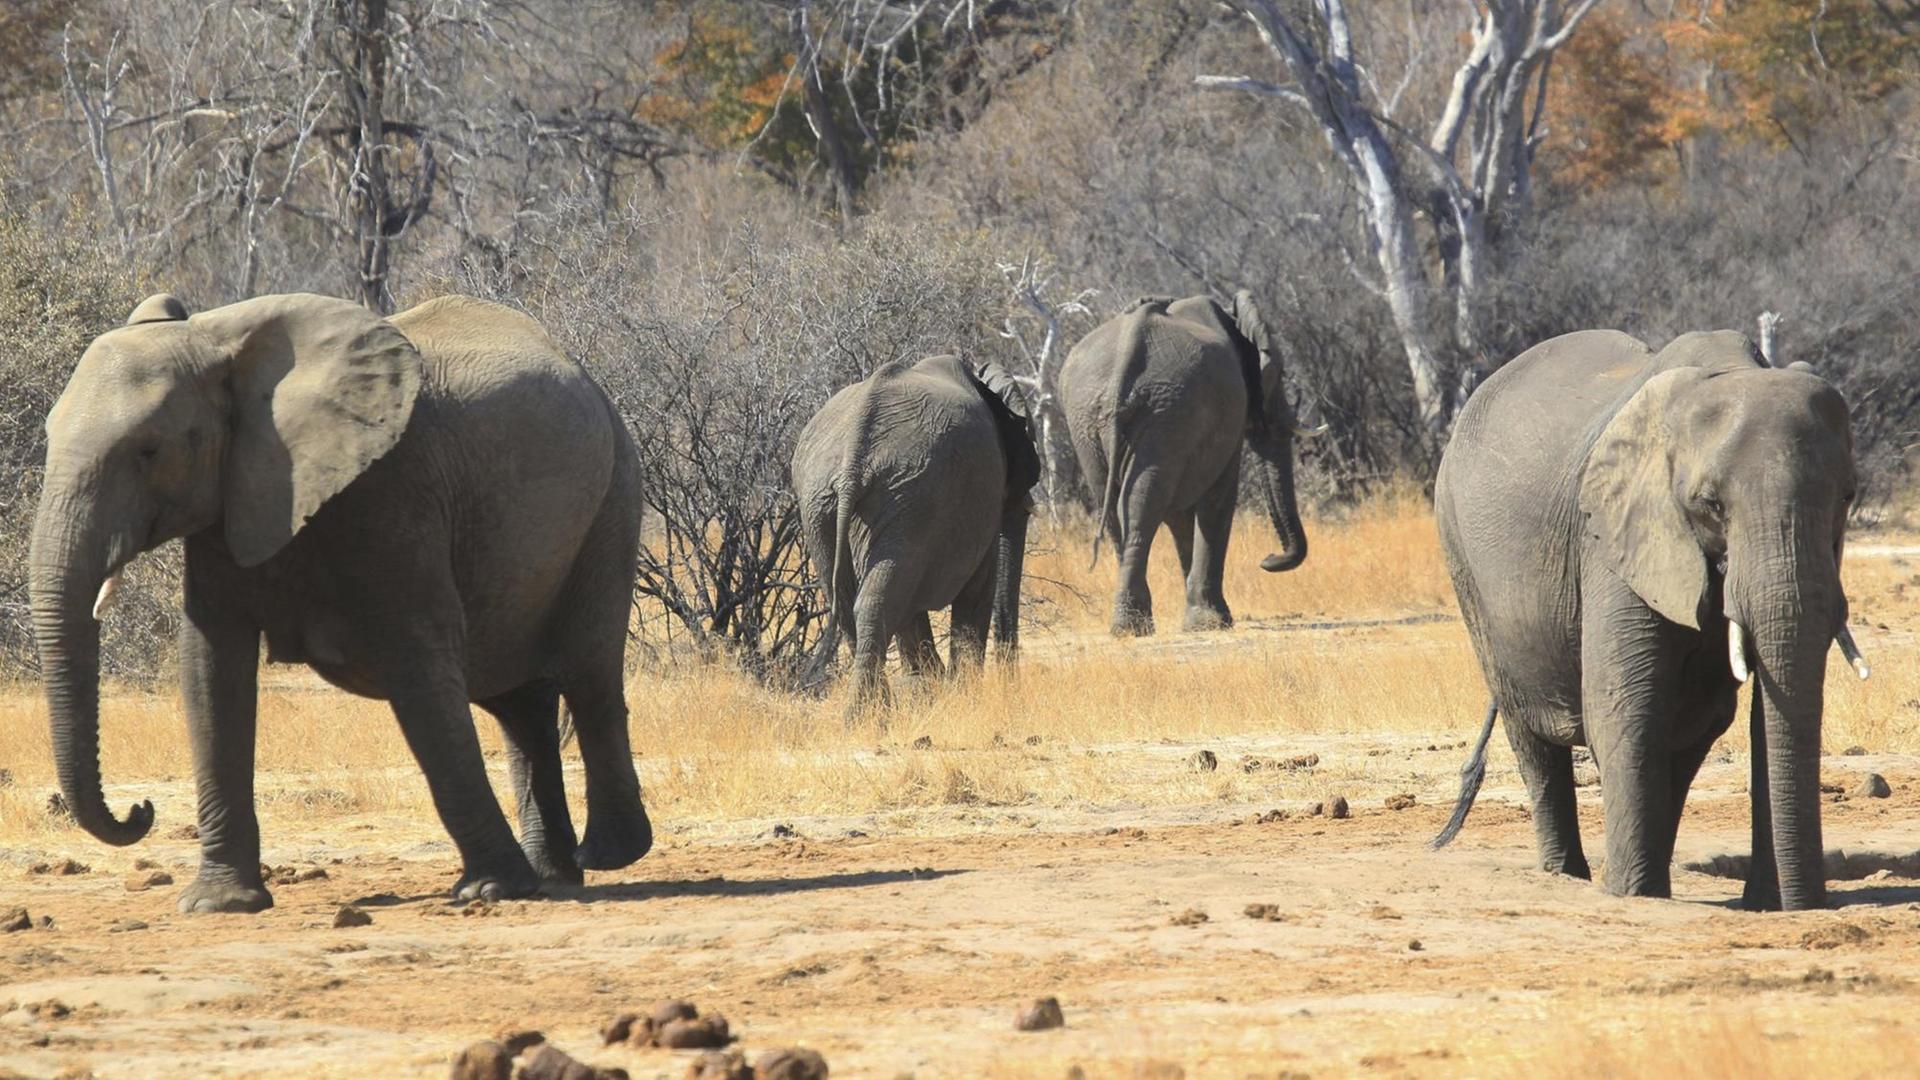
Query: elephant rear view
[913,496]
[1158,401]
[1632,535]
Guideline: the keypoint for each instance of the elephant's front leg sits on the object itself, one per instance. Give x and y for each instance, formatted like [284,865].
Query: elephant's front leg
[1629,692]
[219,665]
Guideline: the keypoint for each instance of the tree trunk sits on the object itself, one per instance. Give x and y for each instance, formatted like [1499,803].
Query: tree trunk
[369,192]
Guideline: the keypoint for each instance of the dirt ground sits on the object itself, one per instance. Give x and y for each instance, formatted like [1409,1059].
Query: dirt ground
[908,954]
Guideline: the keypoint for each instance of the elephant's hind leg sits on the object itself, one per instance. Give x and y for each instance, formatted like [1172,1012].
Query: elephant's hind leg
[972,618]
[1206,595]
[1547,769]
[618,832]
[529,717]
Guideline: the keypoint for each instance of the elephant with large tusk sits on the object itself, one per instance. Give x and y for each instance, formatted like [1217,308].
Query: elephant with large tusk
[1159,400]
[434,509]
[1632,536]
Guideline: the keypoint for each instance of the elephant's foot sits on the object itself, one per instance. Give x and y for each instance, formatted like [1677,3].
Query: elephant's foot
[1132,623]
[1203,618]
[1761,896]
[511,882]
[551,868]
[1575,867]
[221,893]
[612,844]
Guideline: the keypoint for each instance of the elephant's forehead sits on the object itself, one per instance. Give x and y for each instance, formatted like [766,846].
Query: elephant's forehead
[118,379]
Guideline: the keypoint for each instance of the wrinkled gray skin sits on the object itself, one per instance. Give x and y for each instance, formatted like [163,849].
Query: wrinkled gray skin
[432,510]
[913,497]
[1158,401]
[1605,510]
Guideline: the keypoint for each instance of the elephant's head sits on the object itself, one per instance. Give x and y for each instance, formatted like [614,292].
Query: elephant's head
[243,419]
[1271,427]
[1011,414]
[1719,495]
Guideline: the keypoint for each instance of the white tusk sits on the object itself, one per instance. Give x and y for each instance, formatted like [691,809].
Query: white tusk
[1737,651]
[1312,432]
[1851,651]
[108,590]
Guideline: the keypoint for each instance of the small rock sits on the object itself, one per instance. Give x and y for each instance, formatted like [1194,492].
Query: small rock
[1872,786]
[141,882]
[1399,802]
[924,742]
[15,920]
[1189,917]
[517,1040]
[784,831]
[1040,1015]
[795,1063]
[1415,946]
[1854,751]
[718,1065]
[486,1060]
[1203,761]
[1337,807]
[1264,912]
[705,1033]
[349,916]
[125,926]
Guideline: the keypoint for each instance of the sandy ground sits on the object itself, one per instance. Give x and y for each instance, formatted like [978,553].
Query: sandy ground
[897,954]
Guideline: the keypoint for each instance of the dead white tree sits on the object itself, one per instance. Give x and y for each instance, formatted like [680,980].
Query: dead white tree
[1477,159]
[1770,337]
[1030,284]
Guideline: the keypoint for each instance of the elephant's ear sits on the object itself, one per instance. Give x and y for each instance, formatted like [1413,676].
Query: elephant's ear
[160,307]
[321,388]
[1254,344]
[1633,512]
[1004,396]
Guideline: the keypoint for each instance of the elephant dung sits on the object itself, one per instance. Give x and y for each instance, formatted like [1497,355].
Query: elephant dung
[16,919]
[349,916]
[705,1033]
[1872,786]
[1040,1015]
[793,1063]
[1203,761]
[1189,917]
[549,1063]
[1337,807]
[62,868]
[1399,802]
[924,742]
[518,1040]
[485,1060]
[618,1029]
[716,1065]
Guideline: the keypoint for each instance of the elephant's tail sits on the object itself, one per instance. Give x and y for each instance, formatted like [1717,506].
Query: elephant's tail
[1133,358]
[1118,460]
[1471,776]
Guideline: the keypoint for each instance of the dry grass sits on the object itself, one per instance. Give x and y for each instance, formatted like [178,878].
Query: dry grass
[716,747]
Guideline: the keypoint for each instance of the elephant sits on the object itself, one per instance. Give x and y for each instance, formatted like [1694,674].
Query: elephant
[1157,402]
[434,509]
[1632,535]
[913,493]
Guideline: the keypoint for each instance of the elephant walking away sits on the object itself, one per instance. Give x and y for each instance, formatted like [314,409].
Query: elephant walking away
[913,490]
[434,510]
[1158,401]
[1632,535]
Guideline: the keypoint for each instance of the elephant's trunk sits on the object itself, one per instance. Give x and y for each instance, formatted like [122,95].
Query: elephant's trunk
[1275,453]
[1010,556]
[1789,611]
[67,568]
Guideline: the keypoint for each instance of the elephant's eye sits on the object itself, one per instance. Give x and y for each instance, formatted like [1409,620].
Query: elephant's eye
[1711,505]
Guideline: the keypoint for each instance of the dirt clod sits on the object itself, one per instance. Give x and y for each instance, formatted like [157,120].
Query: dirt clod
[148,879]
[15,920]
[1203,761]
[349,916]
[618,1029]
[485,1060]
[1399,802]
[1337,807]
[1854,751]
[1264,912]
[60,868]
[1872,786]
[792,1063]
[1270,817]
[1041,1014]
[1189,917]
[1415,946]
[924,742]
[718,1065]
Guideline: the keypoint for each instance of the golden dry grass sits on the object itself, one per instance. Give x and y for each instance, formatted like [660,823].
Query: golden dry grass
[715,746]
